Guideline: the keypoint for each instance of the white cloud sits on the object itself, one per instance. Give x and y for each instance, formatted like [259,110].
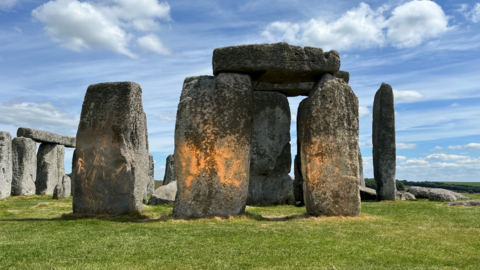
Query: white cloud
[7,4]
[363,111]
[445,157]
[166,117]
[367,143]
[362,27]
[454,105]
[79,25]
[152,43]
[401,158]
[406,146]
[406,95]
[473,14]
[473,146]
[455,147]
[42,115]
[436,148]
[416,161]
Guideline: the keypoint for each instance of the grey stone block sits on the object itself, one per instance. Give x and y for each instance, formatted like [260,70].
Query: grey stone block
[329,149]
[383,139]
[111,158]
[298,181]
[169,170]
[46,137]
[164,194]
[360,168]
[405,196]
[24,166]
[5,164]
[367,194]
[213,134]
[271,159]
[74,170]
[67,186]
[276,63]
[465,203]
[151,177]
[58,192]
[50,168]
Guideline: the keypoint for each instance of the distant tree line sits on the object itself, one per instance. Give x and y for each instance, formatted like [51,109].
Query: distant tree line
[370,182]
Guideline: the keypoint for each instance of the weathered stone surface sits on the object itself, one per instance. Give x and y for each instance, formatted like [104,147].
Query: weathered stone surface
[24,166]
[169,170]
[465,203]
[213,134]
[434,194]
[367,194]
[383,139]
[74,169]
[458,195]
[405,196]
[151,177]
[298,181]
[5,164]
[295,89]
[271,159]
[329,149]
[360,168]
[164,194]
[67,186]
[46,137]
[50,168]
[276,63]
[58,192]
[111,155]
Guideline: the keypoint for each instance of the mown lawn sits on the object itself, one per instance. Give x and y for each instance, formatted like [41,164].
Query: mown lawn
[388,235]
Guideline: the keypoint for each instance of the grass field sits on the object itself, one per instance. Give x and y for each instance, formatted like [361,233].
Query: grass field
[388,235]
[473,184]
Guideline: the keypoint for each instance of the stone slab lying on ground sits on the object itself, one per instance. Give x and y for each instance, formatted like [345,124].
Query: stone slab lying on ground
[213,135]
[169,170]
[112,153]
[276,63]
[294,89]
[465,203]
[383,140]
[164,194]
[271,160]
[46,137]
[24,166]
[436,194]
[367,194]
[6,173]
[329,149]
[50,168]
[405,196]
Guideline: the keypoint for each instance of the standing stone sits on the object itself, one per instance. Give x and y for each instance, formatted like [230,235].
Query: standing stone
[111,159]
[213,134]
[360,168]
[271,160]
[169,170]
[24,166]
[383,139]
[58,192]
[151,178]
[5,164]
[49,170]
[67,186]
[72,175]
[329,149]
[298,181]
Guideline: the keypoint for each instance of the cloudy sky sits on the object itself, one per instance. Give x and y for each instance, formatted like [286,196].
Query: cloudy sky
[429,51]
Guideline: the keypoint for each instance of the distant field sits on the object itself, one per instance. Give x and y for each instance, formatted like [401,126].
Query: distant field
[473,184]
[158,184]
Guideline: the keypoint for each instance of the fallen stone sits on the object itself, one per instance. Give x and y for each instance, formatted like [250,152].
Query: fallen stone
[294,89]
[329,149]
[433,194]
[465,203]
[405,196]
[67,186]
[151,178]
[24,166]
[297,166]
[276,63]
[383,139]
[458,195]
[50,168]
[58,192]
[5,164]
[111,157]
[213,134]
[46,137]
[271,160]
[367,194]
[360,168]
[169,171]
[164,194]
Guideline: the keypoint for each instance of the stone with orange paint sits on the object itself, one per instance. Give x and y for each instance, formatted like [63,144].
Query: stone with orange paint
[111,156]
[271,151]
[213,134]
[329,149]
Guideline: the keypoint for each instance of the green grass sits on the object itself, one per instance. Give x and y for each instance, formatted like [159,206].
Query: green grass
[388,235]
[473,184]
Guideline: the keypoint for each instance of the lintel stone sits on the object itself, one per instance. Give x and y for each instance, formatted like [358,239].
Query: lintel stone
[46,137]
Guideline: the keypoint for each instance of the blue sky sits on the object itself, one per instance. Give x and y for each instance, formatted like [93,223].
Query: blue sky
[50,51]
